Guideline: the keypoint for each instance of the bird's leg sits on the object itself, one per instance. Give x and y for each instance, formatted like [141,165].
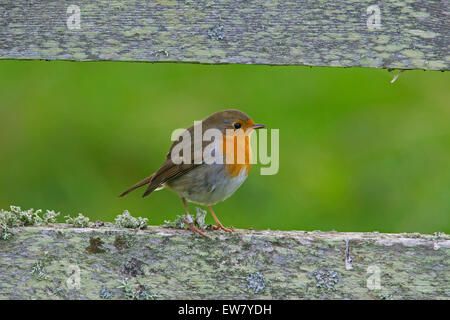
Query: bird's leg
[219,225]
[190,222]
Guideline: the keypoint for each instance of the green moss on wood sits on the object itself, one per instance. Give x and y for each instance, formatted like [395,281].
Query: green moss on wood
[169,263]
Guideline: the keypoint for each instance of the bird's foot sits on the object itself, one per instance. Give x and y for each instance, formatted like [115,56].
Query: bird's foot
[194,229]
[221,227]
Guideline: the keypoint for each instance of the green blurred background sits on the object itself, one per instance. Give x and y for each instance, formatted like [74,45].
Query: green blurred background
[356,152]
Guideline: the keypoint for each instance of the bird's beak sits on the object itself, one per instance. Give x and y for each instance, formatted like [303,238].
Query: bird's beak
[258,126]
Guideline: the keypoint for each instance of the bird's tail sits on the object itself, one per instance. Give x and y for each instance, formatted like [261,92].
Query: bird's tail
[137,185]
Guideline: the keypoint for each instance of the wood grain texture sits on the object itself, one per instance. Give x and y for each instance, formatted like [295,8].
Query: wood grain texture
[164,263]
[414,34]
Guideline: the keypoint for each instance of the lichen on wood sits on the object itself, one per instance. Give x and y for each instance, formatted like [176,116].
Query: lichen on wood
[407,34]
[59,261]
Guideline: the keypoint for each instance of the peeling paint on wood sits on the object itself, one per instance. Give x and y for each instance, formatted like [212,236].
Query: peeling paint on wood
[412,34]
[165,263]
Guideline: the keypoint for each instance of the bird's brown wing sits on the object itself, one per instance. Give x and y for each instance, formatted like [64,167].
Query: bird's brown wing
[169,170]
[166,172]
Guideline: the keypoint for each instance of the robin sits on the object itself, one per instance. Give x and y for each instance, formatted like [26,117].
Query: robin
[201,181]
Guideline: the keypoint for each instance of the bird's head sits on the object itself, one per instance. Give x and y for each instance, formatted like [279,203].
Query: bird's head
[231,121]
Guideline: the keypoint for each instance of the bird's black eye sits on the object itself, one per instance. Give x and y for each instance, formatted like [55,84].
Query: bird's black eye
[237,125]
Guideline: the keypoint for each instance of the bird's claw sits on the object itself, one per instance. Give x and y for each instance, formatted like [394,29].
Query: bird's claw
[194,229]
[221,227]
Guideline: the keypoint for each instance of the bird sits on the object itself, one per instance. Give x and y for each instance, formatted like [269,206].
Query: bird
[201,180]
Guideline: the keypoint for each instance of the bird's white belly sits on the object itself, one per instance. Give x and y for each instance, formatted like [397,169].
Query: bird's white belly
[207,186]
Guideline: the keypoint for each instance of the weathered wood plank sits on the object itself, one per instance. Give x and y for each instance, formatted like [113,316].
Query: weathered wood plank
[162,263]
[412,34]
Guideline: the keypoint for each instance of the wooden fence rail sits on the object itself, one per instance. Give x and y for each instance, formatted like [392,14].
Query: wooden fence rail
[62,262]
[400,34]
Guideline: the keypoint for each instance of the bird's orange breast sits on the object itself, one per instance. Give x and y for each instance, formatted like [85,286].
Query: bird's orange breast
[237,154]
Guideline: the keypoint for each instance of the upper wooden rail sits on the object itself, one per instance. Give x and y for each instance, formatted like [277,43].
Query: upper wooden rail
[402,34]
